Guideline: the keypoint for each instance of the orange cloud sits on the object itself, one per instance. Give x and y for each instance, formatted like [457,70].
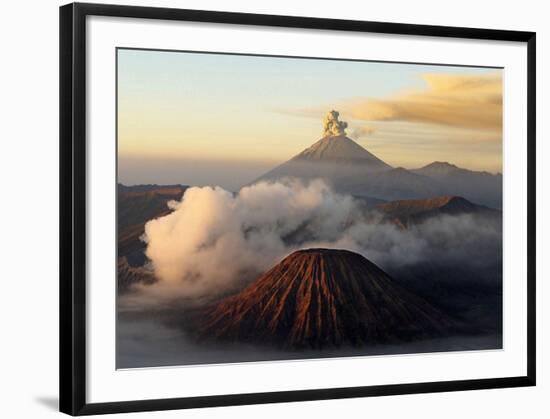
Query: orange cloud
[464,101]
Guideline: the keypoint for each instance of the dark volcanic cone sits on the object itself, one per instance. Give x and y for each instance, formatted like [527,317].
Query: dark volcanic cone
[319,297]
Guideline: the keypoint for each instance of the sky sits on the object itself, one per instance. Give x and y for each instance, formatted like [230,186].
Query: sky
[218,119]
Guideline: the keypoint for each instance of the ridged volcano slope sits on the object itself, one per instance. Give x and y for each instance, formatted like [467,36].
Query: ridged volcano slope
[318,298]
[406,213]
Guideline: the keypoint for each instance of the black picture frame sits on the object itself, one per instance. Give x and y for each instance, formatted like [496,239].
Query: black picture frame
[73,203]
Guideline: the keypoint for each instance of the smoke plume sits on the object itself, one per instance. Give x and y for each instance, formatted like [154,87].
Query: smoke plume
[333,126]
[215,242]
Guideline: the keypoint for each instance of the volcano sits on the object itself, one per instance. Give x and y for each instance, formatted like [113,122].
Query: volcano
[320,298]
[349,168]
[341,149]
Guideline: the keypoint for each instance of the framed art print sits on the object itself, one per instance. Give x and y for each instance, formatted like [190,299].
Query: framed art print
[260,209]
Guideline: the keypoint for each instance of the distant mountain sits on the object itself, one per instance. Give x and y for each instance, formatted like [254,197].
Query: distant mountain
[341,149]
[321,298]
[137,205]
[414,211]
[481,187]
[140,203]
[149,187]
[334,157]
[398,183]
[349,168]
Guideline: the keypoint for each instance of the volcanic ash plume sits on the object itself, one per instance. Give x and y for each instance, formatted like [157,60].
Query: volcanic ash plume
[332,126]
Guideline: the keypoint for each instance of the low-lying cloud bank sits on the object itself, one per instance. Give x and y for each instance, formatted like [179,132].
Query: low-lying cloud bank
[215,242]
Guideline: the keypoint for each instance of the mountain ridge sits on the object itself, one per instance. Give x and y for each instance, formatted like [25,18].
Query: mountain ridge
[136,205]
[445,167]
[407,212]
[349,168]
[480,187]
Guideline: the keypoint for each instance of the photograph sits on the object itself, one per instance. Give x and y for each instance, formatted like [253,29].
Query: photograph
[285,208]
[275,210]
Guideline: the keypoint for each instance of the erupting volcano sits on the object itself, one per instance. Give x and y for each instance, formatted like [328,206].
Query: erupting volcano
[325,298]
[349,168]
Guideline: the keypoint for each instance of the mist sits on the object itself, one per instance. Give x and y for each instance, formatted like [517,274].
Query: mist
[215,242]
[198,172]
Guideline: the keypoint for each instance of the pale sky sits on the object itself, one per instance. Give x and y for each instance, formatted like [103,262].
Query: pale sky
[195,118]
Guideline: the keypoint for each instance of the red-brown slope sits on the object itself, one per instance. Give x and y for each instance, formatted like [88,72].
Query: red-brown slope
[137,205]
[129,276]
[413,211]
[413,206]
[320,297]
